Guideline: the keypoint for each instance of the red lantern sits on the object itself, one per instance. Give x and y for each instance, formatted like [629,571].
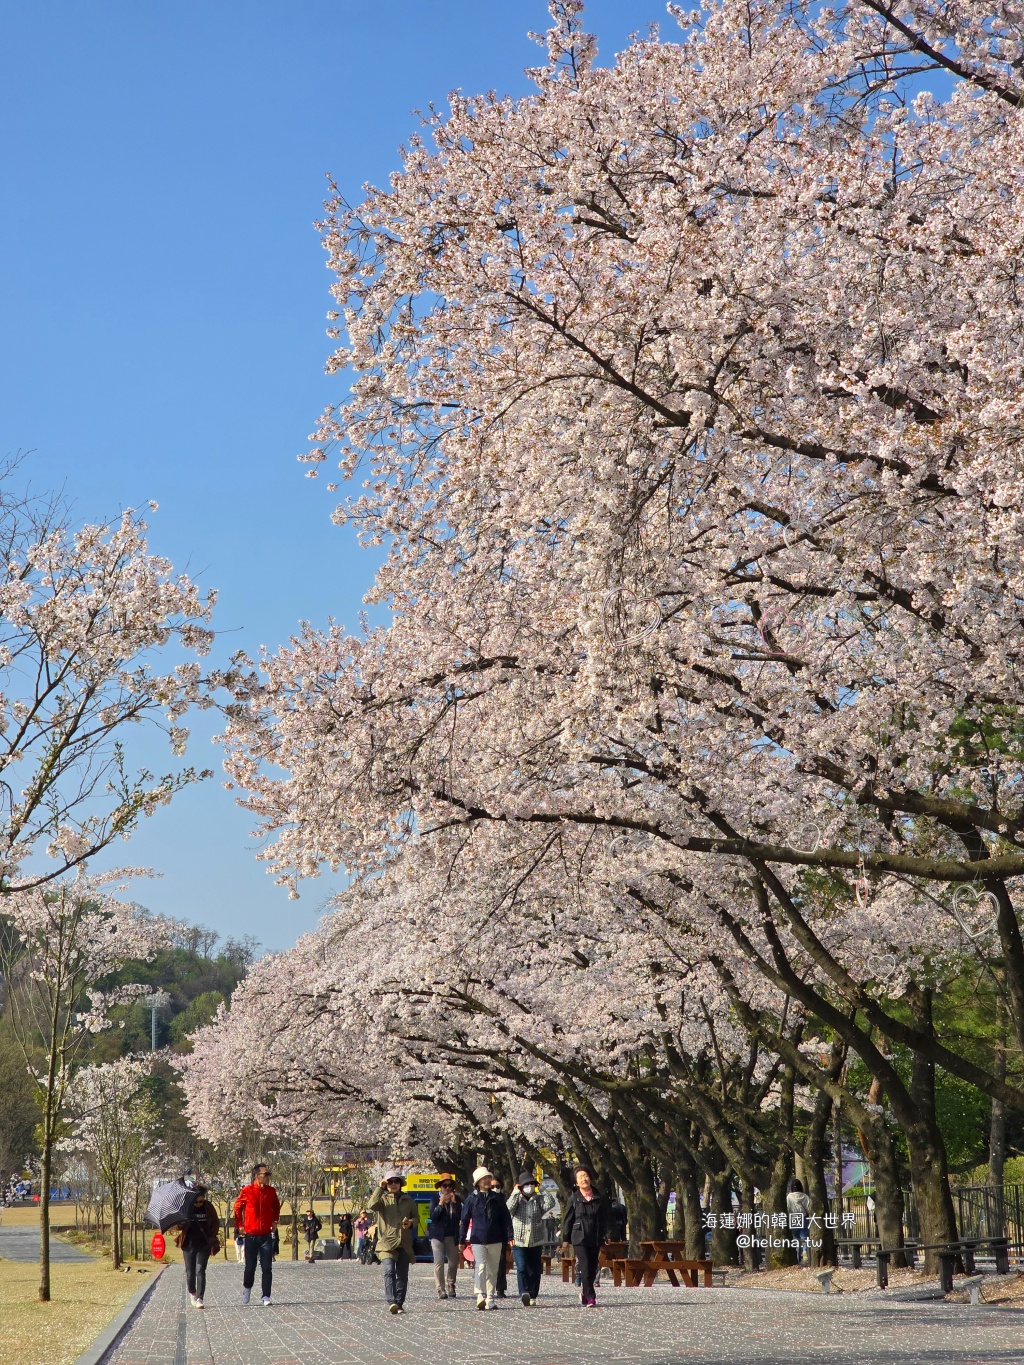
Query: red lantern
[158,1246]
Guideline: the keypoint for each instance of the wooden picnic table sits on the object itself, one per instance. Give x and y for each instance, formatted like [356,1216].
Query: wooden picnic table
[667,1256]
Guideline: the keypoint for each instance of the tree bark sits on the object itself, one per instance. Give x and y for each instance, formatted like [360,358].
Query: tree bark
[644,1211]
[929,1171]
[723,1240]
[688,1206]
[814,1154]
[44,1204]
[881,1154]
[775,1194]
[997,1123]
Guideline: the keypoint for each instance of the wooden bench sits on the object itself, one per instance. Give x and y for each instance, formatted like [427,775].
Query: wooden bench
[667,1256]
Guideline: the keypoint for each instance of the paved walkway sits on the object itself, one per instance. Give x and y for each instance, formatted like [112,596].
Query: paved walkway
[22,1244]
[333,1314]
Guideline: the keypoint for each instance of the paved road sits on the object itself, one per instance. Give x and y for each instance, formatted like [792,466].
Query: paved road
[333,1314]
[22,1244]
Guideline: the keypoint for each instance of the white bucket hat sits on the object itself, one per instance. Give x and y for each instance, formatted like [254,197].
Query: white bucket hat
[479,1174]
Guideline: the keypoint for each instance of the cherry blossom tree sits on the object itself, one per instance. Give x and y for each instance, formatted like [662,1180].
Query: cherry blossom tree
[66,938]
[87,615]
[113,1121]
[688,404]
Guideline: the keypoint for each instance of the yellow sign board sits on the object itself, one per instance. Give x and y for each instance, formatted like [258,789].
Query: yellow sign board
[421,1183]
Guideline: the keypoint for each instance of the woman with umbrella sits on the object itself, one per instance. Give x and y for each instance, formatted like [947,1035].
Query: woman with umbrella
[199,1239]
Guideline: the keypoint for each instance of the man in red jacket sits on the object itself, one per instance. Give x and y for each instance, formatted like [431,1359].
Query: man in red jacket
[257,1210]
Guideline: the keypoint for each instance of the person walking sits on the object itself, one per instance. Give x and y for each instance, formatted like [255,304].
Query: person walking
[345,1237]
[257,1210]
[362,1231]
[618,1219]
[396,1215]
[585,1229]
[311,1226]
[443,1230]
[486,1226]
[798,1207]
[199,1239]
[528,1209]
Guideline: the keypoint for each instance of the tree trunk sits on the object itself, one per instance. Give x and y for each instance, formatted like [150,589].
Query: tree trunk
[44,1202]
[688,1207]
[997,1124]
[645,1211]
[645,1215]
[929,1172]
[814,1154]
[723,1240]
[880,1152]
[931,1190]
[115,1225]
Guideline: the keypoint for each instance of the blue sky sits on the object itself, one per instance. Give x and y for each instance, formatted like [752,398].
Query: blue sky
[162,301]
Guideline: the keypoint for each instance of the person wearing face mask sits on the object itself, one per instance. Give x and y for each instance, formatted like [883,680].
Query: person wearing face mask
[199,1239]
[528,1209]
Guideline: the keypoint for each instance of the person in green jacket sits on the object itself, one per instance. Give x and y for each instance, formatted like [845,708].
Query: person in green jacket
[396,1217]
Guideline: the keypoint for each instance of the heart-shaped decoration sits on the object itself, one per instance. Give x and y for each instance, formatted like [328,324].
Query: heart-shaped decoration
[884,966]
[780,623]
[626,618]
[805,838]
[969,901]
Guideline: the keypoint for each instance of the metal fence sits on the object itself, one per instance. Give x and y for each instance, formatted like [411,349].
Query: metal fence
[981,1211]
[990,1211]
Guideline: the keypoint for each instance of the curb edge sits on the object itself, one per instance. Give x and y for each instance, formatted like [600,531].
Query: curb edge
[98,1348]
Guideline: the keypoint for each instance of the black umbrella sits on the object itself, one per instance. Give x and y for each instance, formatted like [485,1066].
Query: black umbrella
[171,1203]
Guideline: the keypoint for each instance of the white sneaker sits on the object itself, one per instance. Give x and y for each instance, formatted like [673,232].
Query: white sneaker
[245,1295]
[199,1303]
[193,1299]
[491,1305]
[265,1301]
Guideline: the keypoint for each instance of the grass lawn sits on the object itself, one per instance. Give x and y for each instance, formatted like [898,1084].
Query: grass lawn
[61,1216]
[86,1295]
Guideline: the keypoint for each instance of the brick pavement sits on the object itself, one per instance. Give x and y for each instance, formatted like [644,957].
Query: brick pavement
[22,1244]
[333,1314]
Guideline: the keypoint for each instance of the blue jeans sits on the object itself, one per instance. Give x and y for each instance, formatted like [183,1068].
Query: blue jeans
[528,1269]
[396,1276]
[259,1246]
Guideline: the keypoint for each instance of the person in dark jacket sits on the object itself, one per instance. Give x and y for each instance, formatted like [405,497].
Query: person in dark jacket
[345,1237]
[585,1229]
[487,1227]
[311,1226]
[199,1239]
[443,1230]
[617,1221]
